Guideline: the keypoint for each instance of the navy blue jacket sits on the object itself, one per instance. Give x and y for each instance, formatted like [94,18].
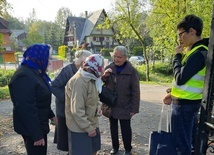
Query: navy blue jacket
[58,87]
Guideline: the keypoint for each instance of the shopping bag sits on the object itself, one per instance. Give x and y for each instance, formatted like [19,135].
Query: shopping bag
[161,142]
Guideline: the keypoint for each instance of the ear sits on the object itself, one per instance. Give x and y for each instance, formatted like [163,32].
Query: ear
[192,31]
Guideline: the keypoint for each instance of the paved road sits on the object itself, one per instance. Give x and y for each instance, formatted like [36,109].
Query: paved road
[142,124]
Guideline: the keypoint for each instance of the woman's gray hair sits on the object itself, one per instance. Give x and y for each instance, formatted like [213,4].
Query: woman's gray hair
[121,49]
[81,55]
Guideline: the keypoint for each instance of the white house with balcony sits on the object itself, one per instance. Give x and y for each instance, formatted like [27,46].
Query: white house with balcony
[81,30]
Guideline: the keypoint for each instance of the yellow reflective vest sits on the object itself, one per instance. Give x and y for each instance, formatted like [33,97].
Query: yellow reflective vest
[193,88]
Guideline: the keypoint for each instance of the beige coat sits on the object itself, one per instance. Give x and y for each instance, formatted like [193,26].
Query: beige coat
[81,104]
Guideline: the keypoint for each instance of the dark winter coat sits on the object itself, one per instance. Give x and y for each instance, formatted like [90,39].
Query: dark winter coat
[58,87]
[128,89]
[31,99]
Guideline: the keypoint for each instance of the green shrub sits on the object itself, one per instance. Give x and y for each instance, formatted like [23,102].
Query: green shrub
[163,68]
[62,50]
[5,77]
[138,50]
[157,73]
[4,93]
[106,52]
[142,72]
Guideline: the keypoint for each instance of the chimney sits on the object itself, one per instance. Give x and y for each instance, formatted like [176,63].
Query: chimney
[86,14]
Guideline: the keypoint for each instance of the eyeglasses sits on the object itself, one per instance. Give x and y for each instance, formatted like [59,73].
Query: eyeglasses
[180,34]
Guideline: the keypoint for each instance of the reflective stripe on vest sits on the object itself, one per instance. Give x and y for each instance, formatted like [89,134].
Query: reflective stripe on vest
[193,88]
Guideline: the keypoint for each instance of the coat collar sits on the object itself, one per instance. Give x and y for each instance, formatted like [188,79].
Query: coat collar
[127,69]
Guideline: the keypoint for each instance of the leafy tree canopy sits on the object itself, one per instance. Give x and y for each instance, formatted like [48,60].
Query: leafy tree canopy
[166,14]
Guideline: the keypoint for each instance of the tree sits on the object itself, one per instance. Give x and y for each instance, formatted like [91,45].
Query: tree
[43,32]
[4,7]
[128,20]
[166,14]
[33,35]
[14,23]
[32,18]
[60,20]
[53,37]
[62,15]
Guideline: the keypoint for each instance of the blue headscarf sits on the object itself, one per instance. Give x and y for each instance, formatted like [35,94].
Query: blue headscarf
[37,57]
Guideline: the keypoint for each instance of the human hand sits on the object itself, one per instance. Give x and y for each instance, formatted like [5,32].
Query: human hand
[92,133]
[107,72]
[40,142]
[179,49]
[55,120]
[167,99]
[98,111]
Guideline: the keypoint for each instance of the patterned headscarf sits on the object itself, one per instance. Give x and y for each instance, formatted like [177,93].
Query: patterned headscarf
[37,57]
[95,63]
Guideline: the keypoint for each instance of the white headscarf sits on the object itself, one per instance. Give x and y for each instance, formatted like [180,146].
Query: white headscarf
[95,63]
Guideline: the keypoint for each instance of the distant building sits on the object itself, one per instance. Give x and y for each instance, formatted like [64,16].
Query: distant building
[81,31]
[17,37]
[5,34]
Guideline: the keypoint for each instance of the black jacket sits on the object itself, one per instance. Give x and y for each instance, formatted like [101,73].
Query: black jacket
[31,99]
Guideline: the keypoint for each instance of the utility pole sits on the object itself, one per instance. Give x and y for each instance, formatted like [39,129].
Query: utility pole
[206,123]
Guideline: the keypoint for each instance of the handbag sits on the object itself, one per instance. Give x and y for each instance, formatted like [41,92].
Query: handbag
[161,142]
[108,96]
[106,110]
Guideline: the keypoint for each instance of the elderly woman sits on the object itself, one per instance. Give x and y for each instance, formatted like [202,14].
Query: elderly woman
[124,77]
[81,107]
[31,97]
[58,89]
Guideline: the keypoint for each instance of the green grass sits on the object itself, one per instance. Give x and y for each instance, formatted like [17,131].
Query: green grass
[158,79]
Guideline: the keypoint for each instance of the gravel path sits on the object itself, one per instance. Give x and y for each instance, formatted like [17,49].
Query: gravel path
[142,124]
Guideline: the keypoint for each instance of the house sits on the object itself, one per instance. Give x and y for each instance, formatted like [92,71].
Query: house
[17,37]
[81,31]
[5,34]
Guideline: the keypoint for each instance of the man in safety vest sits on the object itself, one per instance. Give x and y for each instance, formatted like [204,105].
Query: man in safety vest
[189,68]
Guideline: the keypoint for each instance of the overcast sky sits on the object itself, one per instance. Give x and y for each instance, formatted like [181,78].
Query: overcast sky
[47,9]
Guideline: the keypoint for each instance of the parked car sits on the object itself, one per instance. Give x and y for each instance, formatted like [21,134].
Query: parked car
[137,60]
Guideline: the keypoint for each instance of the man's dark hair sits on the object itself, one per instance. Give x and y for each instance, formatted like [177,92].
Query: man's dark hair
[191,21]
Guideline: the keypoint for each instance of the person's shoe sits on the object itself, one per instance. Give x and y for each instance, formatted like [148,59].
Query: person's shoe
[113,151]
[127,153]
